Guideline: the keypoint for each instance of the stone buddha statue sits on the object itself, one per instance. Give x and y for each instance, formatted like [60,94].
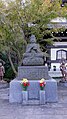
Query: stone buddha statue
[33,55]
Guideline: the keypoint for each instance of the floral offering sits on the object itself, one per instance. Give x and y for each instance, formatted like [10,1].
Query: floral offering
[42,83]
[24,83]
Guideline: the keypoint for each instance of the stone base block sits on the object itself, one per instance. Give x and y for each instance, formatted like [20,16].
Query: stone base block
[33,72]
[51,93]
[15,94]
[15,91]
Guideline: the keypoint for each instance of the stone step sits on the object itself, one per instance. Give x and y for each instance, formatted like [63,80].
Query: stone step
[31,102]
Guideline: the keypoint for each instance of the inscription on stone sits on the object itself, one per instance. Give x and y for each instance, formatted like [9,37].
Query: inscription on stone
[32,72]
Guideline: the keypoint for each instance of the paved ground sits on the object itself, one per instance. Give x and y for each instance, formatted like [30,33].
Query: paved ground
[48,111]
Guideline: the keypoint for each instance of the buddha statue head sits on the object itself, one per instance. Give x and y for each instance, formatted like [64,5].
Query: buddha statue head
[32,39]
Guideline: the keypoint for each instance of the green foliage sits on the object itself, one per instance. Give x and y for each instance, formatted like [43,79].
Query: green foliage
[9,74]
[14,20]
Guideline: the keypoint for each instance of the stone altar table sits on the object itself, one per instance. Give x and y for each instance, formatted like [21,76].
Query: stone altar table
[33,91]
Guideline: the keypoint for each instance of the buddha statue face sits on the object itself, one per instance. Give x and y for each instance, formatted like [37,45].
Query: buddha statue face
[32,39]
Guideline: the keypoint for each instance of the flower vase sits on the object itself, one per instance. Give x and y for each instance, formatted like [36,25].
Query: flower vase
[24,88]
[42,97]
[41,88]
[25,97]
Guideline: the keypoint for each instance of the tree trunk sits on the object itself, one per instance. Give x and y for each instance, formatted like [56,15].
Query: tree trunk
[10,60]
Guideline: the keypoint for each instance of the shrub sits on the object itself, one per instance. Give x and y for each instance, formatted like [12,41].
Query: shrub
[9,74]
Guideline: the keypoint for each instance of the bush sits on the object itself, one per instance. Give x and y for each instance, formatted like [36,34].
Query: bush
[9,74]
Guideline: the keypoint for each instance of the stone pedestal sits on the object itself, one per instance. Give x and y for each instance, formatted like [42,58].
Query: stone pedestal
[15,94]
[24,97]
[42,97]
[33,72]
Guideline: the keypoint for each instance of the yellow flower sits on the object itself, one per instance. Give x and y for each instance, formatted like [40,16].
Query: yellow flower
[24,80]
[42,80]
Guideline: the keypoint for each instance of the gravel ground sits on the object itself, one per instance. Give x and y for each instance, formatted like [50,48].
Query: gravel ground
[48,111]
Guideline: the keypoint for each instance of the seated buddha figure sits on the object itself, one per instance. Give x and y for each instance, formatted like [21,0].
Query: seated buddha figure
[33,55]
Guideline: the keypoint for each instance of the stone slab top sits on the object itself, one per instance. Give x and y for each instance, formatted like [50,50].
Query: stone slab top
[50,80]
